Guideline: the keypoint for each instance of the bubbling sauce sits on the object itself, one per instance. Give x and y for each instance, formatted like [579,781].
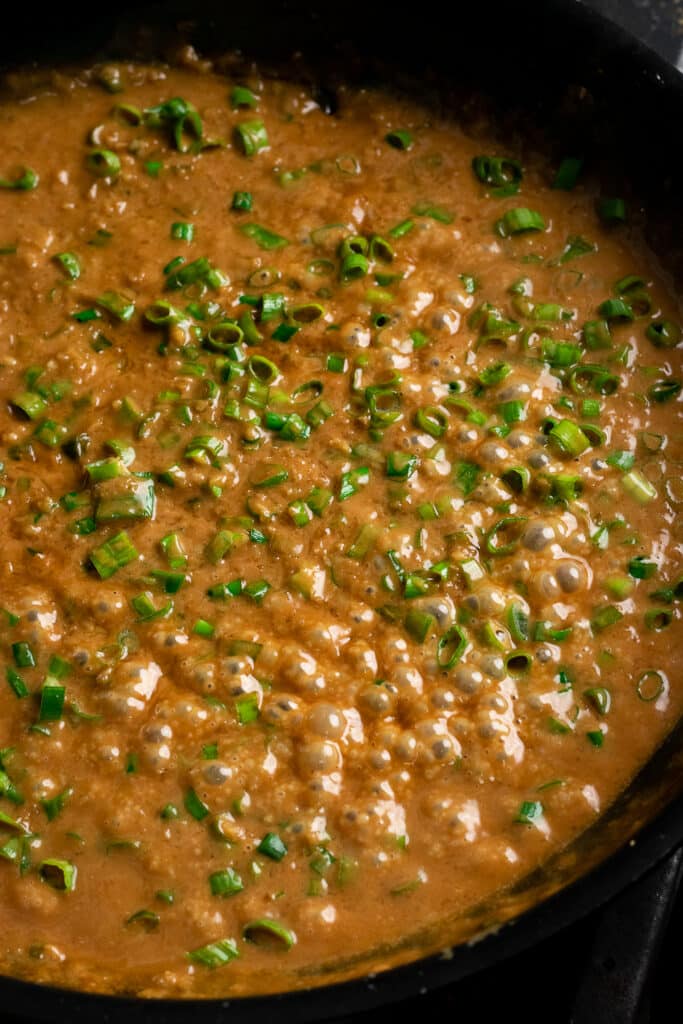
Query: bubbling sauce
[340,465]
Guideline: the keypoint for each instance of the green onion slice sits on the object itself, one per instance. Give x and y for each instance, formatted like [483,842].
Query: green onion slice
[664,390]
[24,181]
[117,305]
[241,96]
[269,933]
[272,846]
[663,334]
[568,173]
[69,263]
[520,220]
[53,806]
[497,170]
[214,954]
[451,647]
[251,137]
[399,139]
[58,874]
[51,702]
[612,211]
[242,202]
[147,919]
[504,536]
[103,163]
[600,698]
[195,806]
[264,238]
[651,684]
[529,811]
[113,554]
[225,883]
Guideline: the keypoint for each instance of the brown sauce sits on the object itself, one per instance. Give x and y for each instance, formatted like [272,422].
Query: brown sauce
[391,610]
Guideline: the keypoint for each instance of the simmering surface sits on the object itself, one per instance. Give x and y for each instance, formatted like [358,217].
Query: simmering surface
[340,567]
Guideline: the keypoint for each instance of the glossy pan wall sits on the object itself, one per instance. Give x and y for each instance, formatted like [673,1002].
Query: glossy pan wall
[555,71]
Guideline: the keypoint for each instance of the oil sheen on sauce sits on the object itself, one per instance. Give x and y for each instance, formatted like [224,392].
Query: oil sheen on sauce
[340,576]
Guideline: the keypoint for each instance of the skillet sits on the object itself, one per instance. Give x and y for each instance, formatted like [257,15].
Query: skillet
[565,76]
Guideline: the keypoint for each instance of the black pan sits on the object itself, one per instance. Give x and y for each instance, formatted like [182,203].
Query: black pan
[574,83]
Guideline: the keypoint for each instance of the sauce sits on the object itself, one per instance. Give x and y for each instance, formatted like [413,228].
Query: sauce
[341,567]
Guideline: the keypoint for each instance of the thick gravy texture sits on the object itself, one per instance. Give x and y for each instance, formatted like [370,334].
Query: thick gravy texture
[340,577]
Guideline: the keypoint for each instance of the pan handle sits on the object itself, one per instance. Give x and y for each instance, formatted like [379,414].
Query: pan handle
[625,947]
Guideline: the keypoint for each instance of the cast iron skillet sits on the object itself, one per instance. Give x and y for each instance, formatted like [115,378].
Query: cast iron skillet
[576,84]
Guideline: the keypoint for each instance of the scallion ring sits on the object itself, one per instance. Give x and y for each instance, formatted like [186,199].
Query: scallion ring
[663,334]
[264,277]
[504,536]
[126,113]
[269,934]
[307,313]
[432,420]
[263,369]
[223,336]
[251,137]
[399,139]
[497,170]
[451,647]
[651,684]
[520,220]
[103,163]
[308,392]
[24,181]
[518,662]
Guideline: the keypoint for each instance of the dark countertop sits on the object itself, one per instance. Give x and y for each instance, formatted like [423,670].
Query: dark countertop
[658,23]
